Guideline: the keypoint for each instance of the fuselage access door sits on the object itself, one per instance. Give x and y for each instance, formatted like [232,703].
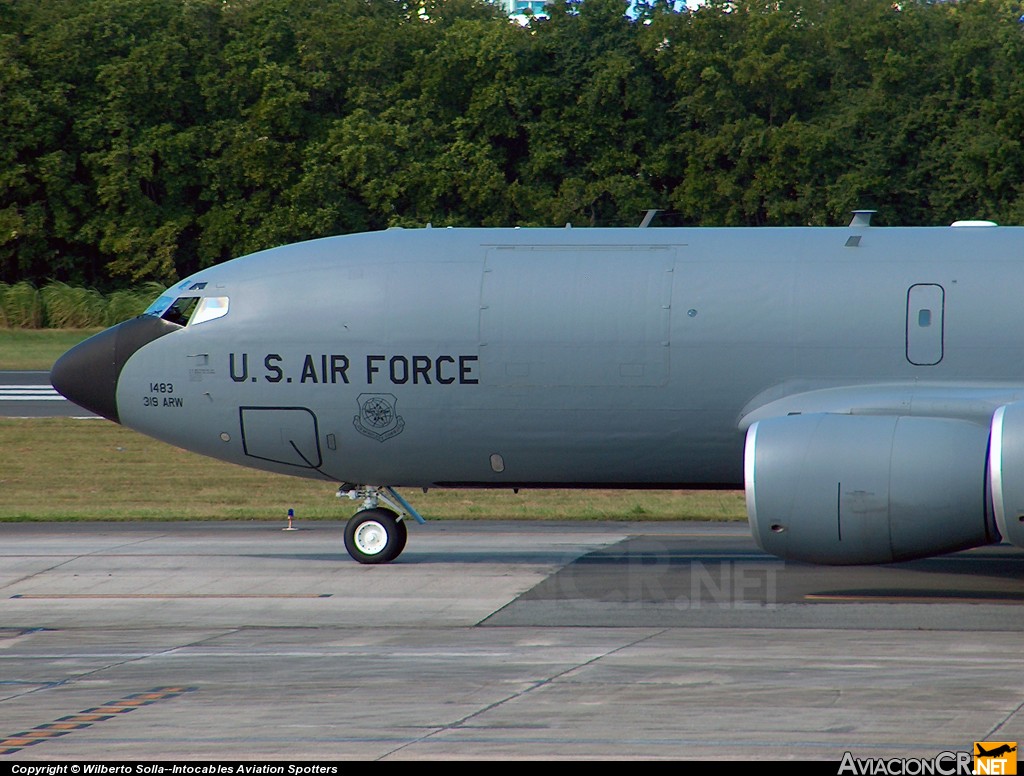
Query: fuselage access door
[925,324]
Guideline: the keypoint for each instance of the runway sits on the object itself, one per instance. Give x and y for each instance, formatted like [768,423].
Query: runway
[29,395]
[504,640]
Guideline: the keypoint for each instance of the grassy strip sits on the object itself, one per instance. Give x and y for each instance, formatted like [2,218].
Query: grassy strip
[60,306]
[37,348]
[64,469]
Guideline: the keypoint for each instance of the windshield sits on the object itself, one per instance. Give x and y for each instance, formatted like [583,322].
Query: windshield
[157,308]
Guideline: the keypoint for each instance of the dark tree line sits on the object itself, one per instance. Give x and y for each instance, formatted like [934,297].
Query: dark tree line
[144,139]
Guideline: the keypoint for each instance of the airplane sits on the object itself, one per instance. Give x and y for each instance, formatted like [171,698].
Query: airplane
[863,384]
[999,750]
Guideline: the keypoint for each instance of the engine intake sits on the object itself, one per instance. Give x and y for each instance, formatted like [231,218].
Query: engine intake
[1006,471]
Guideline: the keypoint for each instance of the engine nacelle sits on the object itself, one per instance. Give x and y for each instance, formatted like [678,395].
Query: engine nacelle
[1006,471]
[846,489]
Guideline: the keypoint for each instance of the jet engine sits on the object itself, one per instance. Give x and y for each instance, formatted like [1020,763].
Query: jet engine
[1006,471]
[849,489]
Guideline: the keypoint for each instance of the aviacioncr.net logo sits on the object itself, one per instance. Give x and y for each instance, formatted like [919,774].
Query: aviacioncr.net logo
[942,764]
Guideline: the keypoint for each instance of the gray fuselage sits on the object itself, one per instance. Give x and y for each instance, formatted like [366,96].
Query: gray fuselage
[517,357]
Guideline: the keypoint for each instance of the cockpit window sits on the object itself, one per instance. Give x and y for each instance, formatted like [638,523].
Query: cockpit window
[157,308]
[181,310]
[210,308]
[186,310]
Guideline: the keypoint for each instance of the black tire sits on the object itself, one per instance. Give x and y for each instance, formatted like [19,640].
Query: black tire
[375,536]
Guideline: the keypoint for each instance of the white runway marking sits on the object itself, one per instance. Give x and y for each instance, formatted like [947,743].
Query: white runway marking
[29,393]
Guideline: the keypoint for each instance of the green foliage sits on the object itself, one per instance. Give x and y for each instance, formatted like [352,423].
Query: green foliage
[21,306]
[68,307]
[129,303]
[143,140]
[61,306]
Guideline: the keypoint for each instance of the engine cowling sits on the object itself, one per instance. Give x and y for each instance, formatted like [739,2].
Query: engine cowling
[1006,471]
[858,489]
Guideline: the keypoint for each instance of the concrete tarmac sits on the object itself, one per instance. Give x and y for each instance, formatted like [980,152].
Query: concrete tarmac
[235,642]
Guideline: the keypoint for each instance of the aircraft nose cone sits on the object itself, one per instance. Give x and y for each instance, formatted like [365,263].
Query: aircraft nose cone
[87,374]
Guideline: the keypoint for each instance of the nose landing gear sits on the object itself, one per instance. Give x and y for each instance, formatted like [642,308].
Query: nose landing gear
[376,534]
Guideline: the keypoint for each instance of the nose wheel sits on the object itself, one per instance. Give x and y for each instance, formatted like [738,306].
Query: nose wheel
[375,536]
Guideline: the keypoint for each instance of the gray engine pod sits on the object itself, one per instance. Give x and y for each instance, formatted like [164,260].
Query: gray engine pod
[848,489]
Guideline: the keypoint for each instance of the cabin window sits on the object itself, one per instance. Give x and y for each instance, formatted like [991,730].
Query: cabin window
[210,308]
[924,318]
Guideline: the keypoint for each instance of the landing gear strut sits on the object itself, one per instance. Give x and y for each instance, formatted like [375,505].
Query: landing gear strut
[376,534]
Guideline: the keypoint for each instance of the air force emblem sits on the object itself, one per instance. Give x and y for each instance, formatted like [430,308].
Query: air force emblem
[377,417]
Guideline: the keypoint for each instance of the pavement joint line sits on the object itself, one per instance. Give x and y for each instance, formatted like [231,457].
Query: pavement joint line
[463,723]
[914,597]
[80,556]
[160,596]
[990,735]
[88,717]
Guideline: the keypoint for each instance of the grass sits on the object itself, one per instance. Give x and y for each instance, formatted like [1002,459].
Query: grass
[58,305]
[65,469]
[37,349]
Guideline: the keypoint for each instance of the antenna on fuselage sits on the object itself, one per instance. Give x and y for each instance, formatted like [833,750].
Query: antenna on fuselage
[648,217]
[862,217]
